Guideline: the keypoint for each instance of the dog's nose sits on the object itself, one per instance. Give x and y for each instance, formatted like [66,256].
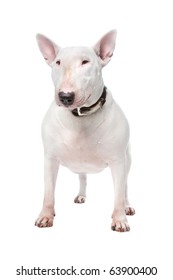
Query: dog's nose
[67,98]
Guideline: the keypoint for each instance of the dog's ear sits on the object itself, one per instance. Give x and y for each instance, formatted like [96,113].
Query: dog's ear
[47,47]
[105,46]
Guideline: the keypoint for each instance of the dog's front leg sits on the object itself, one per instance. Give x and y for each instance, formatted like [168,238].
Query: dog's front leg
[47,214]
[119,175]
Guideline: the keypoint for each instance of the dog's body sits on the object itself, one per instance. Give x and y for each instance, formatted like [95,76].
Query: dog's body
[84,129]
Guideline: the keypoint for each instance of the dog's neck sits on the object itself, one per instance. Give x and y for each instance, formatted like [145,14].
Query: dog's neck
[85,111]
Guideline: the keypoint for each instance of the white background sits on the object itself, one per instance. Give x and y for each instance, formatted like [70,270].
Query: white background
[140,78]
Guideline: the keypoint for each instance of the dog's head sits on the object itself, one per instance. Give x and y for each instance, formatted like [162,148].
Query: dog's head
[76,71]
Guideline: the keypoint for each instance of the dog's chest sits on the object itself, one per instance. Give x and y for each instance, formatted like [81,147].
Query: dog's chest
[84,145]
[81,152]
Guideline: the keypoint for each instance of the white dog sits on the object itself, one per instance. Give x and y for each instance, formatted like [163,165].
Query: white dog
[84,129]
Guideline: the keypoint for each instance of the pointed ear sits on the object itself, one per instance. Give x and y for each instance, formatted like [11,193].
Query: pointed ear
[47,47]
[105,46]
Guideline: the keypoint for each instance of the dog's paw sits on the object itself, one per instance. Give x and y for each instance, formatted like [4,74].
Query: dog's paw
[45,219]
[120,226]
[80,199]
[130,211]
[119,222]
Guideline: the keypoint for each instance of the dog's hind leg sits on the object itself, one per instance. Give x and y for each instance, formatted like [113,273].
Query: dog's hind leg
[81,197]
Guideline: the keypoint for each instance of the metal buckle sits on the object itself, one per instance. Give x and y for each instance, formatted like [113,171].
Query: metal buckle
[79,112]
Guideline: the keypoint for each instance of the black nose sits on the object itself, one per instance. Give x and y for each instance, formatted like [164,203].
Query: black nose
[67,98]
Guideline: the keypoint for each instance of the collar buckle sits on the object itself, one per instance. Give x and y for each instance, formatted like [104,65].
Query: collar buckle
[79,112]
[84,111]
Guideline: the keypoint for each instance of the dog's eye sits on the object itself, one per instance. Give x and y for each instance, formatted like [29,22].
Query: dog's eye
[85,61]
[58,62]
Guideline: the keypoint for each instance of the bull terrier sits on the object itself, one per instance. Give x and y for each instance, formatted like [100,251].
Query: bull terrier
[84,128]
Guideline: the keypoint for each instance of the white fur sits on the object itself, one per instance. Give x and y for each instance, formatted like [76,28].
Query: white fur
[86,144]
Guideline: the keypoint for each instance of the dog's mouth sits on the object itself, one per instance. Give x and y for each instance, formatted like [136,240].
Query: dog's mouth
[70,100]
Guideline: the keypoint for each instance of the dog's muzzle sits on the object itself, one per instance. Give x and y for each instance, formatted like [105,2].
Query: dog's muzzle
[66,98]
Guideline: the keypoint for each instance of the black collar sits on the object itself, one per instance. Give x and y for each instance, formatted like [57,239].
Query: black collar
[84,111]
